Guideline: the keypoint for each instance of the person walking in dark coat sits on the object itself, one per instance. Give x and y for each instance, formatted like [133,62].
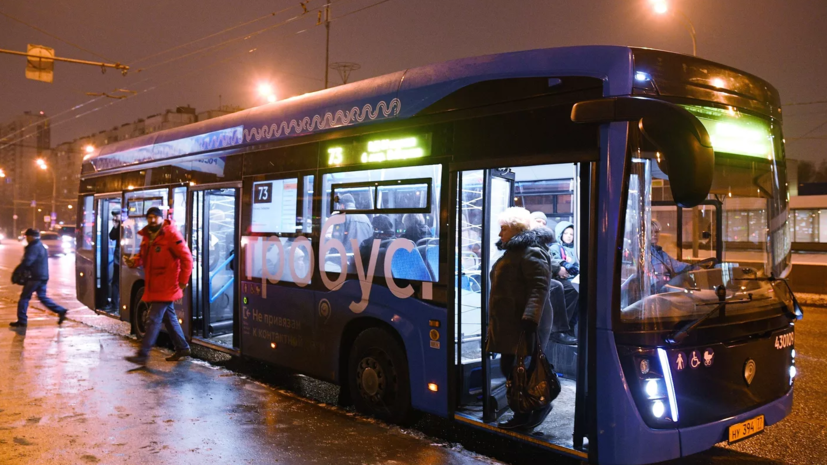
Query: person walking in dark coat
[36,260]
[519,301]
[167,264]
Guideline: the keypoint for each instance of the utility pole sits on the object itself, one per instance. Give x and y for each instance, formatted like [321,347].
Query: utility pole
[327,44]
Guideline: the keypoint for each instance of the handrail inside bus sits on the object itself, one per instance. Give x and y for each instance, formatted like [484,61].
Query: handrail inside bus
[213,298]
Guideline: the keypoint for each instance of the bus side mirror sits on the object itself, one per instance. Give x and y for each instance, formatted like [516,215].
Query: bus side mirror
[679,136]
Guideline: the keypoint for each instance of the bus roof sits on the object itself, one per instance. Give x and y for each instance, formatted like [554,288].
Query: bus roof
[393,96]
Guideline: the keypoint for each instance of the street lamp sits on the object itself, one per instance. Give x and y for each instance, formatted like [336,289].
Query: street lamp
[661,7]
[42,164]
[265,91]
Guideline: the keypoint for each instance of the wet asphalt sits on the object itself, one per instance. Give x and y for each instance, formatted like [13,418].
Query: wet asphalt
[67,396]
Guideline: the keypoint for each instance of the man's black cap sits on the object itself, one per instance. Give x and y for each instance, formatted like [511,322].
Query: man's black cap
[32,232]
[154,211]
[116,212]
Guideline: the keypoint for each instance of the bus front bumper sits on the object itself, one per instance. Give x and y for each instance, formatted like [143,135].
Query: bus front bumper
[700,438]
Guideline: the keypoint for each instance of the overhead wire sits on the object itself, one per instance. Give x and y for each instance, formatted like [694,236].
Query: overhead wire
[55,36]
[142,92]
[358,10]
[215,47]
[216,34]
[222,44]
[236,39]
[812,102]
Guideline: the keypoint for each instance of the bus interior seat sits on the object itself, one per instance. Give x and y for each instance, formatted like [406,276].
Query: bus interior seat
[432,258]
[429,250]
[409,265]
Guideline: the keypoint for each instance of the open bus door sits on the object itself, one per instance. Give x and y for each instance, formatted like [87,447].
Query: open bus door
[85,253]
[97,260]
[480,196]
[214,244]
[483,195]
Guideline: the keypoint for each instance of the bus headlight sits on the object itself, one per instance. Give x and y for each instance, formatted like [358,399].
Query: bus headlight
[793,372]
[658,409]
[652,389]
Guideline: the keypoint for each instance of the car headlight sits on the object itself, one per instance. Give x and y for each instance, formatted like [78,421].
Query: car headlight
[66,239]
[2,237]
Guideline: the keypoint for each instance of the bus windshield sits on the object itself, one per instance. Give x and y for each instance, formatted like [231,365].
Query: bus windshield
[674,259]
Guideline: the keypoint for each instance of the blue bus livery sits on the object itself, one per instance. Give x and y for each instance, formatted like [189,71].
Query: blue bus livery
[348,234]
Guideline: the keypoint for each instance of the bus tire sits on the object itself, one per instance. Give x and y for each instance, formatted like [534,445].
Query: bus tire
[378,377]
[140,310]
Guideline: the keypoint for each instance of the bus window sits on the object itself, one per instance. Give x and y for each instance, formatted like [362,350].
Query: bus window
[88,222]
[307,205]
[137,203]
[179,209]
[380,207]
[275,206]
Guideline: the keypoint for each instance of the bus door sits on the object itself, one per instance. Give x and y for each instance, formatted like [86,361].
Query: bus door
[214,242]
[483,195]
[106,246]
[85,252]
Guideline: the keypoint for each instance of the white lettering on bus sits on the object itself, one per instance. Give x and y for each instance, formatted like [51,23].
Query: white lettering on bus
[365,271]
[365,278]
[303,242]
[332,244]
[401,292]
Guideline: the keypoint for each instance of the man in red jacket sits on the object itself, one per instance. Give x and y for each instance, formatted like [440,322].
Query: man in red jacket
[167,264]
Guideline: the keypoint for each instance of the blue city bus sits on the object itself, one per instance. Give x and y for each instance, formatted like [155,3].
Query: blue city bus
[348,235]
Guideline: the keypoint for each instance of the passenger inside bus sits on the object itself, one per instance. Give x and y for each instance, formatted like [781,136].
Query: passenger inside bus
[565,310]
[415,228]
[357,225]
[389,204]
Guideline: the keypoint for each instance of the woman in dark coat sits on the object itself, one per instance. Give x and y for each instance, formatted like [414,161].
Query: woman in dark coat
[519,302]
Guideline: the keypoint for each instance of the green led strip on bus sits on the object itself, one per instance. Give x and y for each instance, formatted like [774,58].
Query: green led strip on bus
[734,132]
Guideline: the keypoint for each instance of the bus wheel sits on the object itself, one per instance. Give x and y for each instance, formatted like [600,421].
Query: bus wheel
[140,310]
[378,377]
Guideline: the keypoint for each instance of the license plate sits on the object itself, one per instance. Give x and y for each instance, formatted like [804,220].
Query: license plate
[746,429]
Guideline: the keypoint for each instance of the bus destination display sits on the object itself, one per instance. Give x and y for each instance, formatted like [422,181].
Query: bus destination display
[274,206]
[379,150]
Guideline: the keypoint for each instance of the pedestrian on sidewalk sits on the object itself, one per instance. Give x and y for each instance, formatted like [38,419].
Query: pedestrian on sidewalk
[167,264]
[36,263]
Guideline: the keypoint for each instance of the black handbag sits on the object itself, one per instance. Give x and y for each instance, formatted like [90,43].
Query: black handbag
[21,275]
[534,387]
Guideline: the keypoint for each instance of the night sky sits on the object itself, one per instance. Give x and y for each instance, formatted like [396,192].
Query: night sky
[782,41]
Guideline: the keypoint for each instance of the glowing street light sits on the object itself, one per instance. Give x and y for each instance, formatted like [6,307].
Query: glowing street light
[265,91]
[41,164]
[661,7]
[2,173]
[89,148]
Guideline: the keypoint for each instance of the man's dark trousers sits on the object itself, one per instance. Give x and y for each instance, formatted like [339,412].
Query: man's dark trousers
[37,286]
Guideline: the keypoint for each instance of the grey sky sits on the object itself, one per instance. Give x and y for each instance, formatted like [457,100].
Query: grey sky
[783,41]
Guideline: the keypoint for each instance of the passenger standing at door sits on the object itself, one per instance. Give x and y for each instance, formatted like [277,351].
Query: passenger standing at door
[565,307]
[167,264]
[36,261]
[519,300]
[115,235]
